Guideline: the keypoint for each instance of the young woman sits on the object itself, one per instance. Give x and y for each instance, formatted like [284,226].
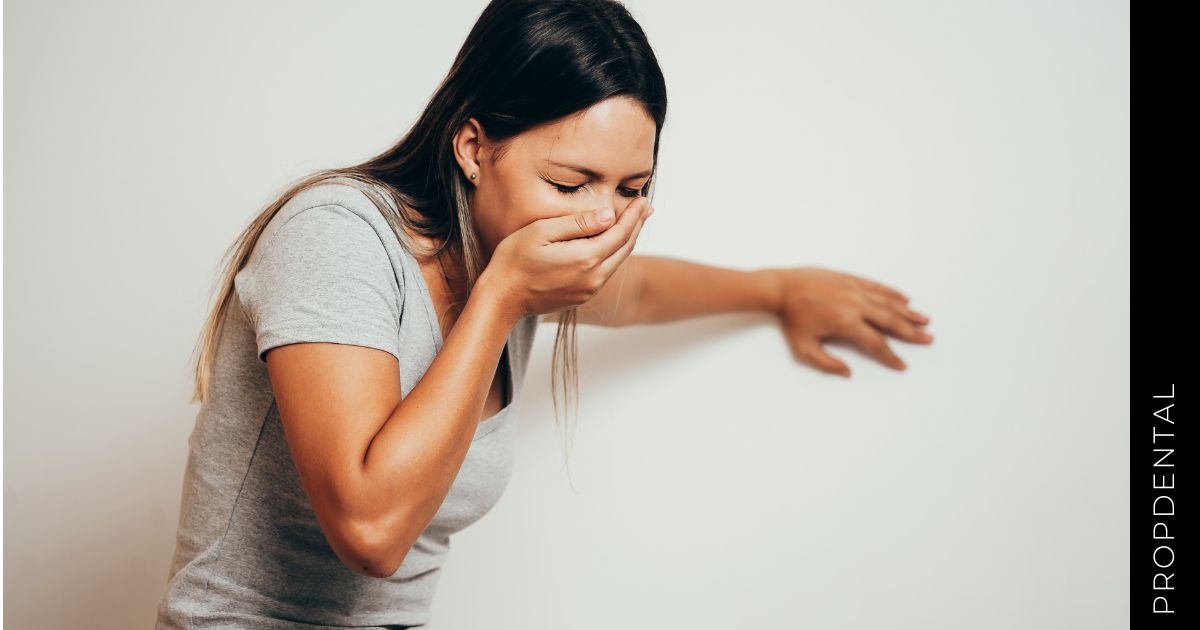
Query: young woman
[372,332]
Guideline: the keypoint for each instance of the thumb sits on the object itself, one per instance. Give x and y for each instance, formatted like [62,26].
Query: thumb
[578,224]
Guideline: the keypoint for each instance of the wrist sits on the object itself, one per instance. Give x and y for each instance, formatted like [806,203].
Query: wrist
[771,281]
[496,298]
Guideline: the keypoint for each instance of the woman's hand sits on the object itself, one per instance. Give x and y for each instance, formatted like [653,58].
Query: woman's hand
[817,304]
[561,262]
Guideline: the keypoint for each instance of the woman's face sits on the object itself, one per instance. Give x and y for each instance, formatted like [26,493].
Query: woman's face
[544,171]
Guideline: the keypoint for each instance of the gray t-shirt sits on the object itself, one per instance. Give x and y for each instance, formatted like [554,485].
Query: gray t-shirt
[249,551]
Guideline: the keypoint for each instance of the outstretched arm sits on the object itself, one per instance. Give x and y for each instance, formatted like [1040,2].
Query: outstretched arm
[656,289]
[813,304]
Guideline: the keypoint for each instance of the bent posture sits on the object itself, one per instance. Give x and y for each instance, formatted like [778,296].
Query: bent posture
[359,367]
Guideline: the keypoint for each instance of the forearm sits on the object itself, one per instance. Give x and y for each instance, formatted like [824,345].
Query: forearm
[414,458]
[672,289]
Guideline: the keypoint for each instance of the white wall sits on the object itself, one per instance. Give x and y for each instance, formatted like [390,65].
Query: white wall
[973,154]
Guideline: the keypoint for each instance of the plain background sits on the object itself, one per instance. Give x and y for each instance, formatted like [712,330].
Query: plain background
[973,154]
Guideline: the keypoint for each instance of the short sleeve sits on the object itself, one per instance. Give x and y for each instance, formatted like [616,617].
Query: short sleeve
[323,276]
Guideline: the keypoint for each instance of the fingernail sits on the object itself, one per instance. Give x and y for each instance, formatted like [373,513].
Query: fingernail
[926,337]
[604,216]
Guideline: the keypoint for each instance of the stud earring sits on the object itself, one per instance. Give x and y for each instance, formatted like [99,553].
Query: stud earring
[473,175]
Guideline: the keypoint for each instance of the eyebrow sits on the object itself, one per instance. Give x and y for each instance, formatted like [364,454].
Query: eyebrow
[593,174]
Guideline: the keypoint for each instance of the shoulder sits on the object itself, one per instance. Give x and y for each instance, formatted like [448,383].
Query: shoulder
[329,213]
[346,200]
[336,192]
[327,264]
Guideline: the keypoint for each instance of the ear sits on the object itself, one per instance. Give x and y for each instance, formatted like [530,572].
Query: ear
[468,143]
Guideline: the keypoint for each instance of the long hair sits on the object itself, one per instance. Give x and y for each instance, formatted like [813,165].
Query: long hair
[524,63]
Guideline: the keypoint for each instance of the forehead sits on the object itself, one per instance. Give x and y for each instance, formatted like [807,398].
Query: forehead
[614,137]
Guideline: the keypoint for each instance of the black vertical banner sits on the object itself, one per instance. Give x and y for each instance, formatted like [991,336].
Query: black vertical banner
[1162,562]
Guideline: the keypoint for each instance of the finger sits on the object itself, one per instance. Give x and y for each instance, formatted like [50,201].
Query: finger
[609,265]
[811,351]
[891,301]
[576,225]
[875,344]
[876,286]
[608,242]
[913,316]
[891,318]
[636,202]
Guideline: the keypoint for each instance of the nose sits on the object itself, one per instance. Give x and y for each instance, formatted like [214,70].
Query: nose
[611,198]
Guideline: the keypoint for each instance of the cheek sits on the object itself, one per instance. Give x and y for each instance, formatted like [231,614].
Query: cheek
[533,202]
[517,199]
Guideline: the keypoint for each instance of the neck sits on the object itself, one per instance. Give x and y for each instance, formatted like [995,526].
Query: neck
[450,268]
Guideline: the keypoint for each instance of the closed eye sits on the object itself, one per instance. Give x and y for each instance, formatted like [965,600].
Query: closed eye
[570,190]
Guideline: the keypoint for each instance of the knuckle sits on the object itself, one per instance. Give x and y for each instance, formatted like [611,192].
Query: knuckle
[847,319]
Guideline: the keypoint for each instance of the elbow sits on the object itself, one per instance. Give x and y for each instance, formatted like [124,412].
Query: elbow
[369,539]
[374,550]
[376,566]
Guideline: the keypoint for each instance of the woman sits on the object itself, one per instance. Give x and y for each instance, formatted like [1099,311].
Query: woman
[374,325]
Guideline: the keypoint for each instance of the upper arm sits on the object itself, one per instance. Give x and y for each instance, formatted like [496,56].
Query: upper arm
[325,303]
[332,400]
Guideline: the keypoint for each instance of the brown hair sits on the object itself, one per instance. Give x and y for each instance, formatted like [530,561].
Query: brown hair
[524,63]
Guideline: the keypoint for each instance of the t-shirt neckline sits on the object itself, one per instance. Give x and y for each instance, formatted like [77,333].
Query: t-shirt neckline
[439,341]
